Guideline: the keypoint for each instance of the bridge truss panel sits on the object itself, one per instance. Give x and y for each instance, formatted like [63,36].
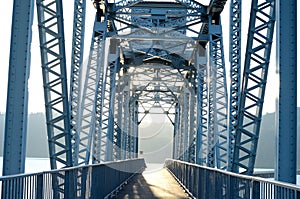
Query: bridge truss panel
[51,32]
[76,67]
[122,115]
[155,39]
[261,28]
[93,75]
[104,136]
[53,58]
[108,131]
[235,72]
[202,112]
[217,99]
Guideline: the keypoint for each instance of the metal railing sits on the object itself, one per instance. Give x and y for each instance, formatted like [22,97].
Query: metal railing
[95,181]
[210,183]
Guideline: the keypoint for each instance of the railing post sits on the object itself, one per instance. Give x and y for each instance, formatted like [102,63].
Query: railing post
[84,175]
[255,189]
[297,194]
[40,186]
[70,185]
[98,182]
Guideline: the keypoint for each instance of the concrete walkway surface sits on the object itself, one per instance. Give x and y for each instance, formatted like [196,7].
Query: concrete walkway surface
[157,183]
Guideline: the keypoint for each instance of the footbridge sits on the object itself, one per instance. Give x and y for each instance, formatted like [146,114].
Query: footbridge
[153,57]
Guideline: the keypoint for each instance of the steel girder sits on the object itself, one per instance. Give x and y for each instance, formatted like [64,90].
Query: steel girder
[104,136]
[76,67]
[235,72]
[53,58]
[286,168]
[50,20]
[217,116]
[202,108]
[185,129]
[133,128]
[17,92]
[261,28]
[122,116]
[192,126]
[137,14]
[136,19]
[176,133]
[127,135]
[184,124]
[108,121]
[217,6]
[94,74]
[109,129]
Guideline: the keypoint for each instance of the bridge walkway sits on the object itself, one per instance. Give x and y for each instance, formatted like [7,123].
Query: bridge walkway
[158,183]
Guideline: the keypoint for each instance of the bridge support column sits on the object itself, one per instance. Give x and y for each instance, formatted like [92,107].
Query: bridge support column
[286,156]
[17,91]
[202,105]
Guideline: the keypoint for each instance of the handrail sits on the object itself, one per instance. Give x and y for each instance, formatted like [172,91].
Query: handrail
[96,181]
[200,181]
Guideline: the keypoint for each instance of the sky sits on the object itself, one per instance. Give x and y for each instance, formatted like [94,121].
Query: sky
[36,100]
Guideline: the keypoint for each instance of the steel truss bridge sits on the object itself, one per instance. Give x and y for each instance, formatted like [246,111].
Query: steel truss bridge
[163,57]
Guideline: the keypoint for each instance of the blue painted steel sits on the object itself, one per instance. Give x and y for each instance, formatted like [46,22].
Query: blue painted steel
[192,126]
[235,72]
[176,131]
[51,33]
[122,132]
[287,108]
[206,182]
[135,142]
[89,128]
[217,97]
[131,19]
[76,67]
[17,91]
[217,6]
[202,116]
[101,181]
[109,101]
[261,28]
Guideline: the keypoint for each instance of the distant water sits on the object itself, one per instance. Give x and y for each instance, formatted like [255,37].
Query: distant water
[32,165]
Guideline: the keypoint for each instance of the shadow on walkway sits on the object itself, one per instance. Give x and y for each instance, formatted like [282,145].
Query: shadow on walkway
[156,184]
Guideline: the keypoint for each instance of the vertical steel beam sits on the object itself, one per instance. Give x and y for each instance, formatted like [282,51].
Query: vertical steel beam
[181,128]
[218,102]
[235,72]
[286,156]
[192,127]
[126,133]
[185,123]
[17,91]
[131,128]
[52,45]
[96,79]
[119,120]
[202,105]
[76,67]
[108,129]
[176,132]
[259,43]
[135,130]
